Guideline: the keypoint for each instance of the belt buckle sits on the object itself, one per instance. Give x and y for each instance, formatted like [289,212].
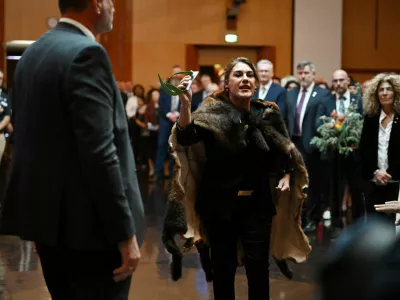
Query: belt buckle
[245,193]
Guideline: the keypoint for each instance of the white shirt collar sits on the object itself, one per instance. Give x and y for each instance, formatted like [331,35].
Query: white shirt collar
[309,89]
[382,116]
[346,95]
[80,26]
[267,86]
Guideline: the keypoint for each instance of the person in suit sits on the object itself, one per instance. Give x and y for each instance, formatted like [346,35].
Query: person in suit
[301,120]
[380,142]
[73,188]
[269,90]
[169,114]
[344,169]
[207,90]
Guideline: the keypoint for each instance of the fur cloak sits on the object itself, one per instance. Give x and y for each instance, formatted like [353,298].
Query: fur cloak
[218,115]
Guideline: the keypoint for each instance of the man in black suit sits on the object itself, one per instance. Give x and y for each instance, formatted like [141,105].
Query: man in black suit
[269,90]
[301,120]
[73,189]
[344,169]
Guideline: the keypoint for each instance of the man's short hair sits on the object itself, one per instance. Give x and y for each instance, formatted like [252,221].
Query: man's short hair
[301,65]
[74,5]
[266,62]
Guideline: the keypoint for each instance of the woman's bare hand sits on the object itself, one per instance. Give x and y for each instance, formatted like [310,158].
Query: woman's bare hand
[391,207]
[186,97]
[284,183]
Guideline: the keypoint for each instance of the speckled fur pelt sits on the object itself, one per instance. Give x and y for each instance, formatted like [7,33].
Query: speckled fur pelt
[218,115]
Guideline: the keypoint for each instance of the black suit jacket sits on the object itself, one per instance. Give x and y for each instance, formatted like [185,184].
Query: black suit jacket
[328,105]
[310,121]
[197,98]
[276,94]
[73,179]
[369,147]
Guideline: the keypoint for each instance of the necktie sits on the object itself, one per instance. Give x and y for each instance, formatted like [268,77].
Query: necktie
[263,93]
[297,129]
[342,109]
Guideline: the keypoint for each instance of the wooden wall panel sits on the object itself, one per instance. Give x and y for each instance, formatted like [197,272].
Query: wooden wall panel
[2,12]
[118,42]
[370,43]
[162,29]
[27,19]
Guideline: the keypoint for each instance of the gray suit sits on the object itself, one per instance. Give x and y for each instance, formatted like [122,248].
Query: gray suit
[73,183]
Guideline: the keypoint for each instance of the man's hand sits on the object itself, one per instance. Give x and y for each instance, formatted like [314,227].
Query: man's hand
[382,177]
[173,117]
[391,207]
[130,255]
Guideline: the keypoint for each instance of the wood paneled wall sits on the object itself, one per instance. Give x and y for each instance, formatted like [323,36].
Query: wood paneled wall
[370,37]
[163,29]
[2,13]
[27,19]
[118,42]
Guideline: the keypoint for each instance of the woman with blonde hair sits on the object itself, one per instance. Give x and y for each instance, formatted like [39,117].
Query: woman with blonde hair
[380,141]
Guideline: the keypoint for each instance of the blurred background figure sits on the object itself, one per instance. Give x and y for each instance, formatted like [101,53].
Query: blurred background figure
[349,270]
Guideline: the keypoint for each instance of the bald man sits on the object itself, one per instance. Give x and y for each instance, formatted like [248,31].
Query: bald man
[345,170]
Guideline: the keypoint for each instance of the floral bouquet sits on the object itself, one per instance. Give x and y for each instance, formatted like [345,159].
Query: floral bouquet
[339,133]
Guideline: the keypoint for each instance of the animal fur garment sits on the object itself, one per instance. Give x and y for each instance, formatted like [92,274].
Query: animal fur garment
[217,114]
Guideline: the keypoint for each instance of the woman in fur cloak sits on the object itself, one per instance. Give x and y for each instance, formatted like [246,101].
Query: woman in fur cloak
[238,186]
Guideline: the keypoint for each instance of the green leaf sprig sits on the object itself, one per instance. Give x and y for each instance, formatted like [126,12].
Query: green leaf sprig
[171,89]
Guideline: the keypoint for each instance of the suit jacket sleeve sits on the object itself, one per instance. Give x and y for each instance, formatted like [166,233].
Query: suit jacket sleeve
[281,101]
[91,109]
[163,104]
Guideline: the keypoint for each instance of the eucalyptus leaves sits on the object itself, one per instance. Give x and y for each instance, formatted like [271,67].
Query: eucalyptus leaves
[173,90]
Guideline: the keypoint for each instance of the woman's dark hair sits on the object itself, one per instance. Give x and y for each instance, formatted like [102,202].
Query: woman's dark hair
[291,82]
[150,109]
[75,5]
[141,88]
[234,62]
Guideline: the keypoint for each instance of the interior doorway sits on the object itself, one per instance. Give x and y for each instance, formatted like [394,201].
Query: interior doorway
[211,59]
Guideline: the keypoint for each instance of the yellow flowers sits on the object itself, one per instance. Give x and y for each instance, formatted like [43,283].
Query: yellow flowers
[338,126]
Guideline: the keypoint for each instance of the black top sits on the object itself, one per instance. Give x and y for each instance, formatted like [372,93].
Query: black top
[227,171]
[73,180]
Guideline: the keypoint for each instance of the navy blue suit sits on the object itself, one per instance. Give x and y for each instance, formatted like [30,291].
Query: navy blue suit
[310,155]
[276,94]
[164,132]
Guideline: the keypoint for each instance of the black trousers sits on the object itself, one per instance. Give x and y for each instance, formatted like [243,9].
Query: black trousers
[346,170]
[379,194]
[252,226]
[80,275]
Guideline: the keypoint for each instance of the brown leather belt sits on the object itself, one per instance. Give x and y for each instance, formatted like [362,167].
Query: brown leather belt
[245,193]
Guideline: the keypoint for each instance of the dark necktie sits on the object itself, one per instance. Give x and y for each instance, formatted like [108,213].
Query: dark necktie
[297,129]
[342,109]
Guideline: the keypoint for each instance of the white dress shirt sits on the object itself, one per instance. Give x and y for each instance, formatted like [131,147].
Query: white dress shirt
[263,90]
[131,105]
[174,106]
[383,142]
[82,27]
[306,99]
[346,102]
